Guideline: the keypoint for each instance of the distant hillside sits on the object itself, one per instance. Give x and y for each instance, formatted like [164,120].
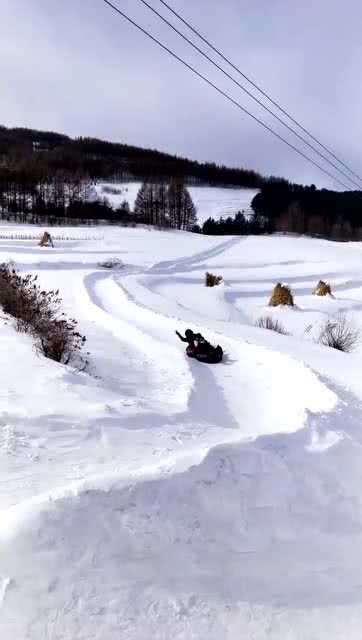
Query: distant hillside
[102,159]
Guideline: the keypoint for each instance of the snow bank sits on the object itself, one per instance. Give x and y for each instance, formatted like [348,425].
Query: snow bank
[256,530]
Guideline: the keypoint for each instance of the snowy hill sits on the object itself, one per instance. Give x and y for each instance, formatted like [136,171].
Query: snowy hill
[213,202]
[159,497]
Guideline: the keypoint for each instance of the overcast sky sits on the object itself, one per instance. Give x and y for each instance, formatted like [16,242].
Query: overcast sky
[75,66]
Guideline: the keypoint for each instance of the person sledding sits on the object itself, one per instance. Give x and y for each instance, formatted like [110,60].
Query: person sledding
[199,348]
[190,338]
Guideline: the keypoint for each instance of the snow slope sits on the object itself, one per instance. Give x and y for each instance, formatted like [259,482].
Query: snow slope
[156,496]
[213,202]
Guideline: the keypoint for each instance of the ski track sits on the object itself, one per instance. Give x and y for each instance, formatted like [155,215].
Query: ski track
[282,464]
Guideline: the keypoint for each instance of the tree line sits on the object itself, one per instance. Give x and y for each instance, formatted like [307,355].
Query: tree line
[59,198]
[288,207]
[238,225]
[166,206]
[48,176]
[110,160]
[33,194]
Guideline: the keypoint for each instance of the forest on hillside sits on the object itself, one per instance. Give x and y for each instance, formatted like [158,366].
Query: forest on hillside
[49,176]
[99,159]
[294,208]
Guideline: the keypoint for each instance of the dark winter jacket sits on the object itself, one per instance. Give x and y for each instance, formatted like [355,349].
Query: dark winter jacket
[190,339]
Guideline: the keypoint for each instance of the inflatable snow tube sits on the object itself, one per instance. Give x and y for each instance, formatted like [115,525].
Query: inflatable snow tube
[190,352]
[210,357]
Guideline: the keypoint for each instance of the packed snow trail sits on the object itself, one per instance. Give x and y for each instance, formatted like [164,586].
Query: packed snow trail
[159,496]
[254,538]
[218,387]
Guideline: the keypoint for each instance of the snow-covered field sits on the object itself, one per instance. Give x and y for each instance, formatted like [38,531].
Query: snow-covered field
[156,497]
[211,202]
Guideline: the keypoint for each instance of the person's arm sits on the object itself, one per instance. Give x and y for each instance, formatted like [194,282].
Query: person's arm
[181,337]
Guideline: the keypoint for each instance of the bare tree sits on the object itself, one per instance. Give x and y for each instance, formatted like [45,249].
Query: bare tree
[182,210]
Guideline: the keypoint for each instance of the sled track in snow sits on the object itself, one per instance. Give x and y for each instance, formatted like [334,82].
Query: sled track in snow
[115,311]
[248,538]
[214,397]
[171,390]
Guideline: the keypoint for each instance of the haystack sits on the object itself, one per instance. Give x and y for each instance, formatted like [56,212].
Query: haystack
[46,240]
[211,280]
[281,295]
[322,289]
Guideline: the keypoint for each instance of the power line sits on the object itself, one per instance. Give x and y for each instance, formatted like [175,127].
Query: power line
[274,102]
[359,186]
[223,93]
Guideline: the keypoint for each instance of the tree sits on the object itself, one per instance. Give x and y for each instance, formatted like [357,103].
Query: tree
[162,212]
[181,208]
[189,212]
[165,207]
[141,209]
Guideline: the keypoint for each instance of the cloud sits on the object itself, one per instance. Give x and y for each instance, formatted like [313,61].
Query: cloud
[77,67]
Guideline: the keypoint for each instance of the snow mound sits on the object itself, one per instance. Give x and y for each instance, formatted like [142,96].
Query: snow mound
[254,526]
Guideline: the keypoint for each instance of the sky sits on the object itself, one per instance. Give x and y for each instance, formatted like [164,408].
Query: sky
[77,67]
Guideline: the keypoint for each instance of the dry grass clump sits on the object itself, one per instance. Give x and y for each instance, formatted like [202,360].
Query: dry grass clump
[281,295]
[273,324]
[39,313]
[322,289]
[46,240]
[211,280]
[339,333]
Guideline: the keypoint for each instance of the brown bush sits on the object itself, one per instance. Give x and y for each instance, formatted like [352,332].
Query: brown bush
[339,334]
[322,289]
[20,297]
[46,240]
[273,324]
[59,340]
[281,295]
[211,280]
[39,312]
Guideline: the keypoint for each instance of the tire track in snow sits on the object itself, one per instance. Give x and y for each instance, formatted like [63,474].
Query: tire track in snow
[188,263]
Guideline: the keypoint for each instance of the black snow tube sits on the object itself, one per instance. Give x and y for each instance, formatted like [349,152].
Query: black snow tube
[213,356]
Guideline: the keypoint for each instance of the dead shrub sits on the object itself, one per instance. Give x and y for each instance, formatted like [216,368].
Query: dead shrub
[273,324]
[46,240]
[60,340]
[339,333]
[322,289]
[211,280]
[38,312]
[20,297]
[281,295]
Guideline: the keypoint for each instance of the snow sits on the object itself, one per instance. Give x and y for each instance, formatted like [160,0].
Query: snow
[214,202]
[157,496]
